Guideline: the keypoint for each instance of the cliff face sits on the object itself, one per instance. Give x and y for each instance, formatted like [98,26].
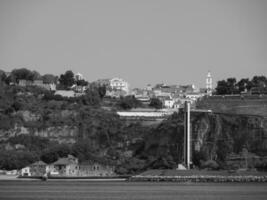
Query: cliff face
[214,137]
[237,125]
[62,134]
[215,133]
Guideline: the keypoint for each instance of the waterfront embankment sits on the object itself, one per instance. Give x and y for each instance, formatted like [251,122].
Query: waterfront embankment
[200,176]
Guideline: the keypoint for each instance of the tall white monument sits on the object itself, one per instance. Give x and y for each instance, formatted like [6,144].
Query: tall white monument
[209,84]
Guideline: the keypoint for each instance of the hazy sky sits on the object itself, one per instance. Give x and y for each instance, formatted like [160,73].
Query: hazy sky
[142,41]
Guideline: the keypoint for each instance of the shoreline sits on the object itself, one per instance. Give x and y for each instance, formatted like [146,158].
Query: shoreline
[201,178]
[140,178]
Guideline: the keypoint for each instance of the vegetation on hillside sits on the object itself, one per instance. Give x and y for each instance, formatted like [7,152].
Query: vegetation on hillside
[257,85]
[103,136]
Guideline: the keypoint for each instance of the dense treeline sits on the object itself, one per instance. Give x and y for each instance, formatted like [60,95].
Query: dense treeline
[26,74]
[257,85]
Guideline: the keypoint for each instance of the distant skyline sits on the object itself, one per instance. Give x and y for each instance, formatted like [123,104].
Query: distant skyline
[141,41]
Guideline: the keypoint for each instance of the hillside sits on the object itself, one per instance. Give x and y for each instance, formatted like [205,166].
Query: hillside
[35,125]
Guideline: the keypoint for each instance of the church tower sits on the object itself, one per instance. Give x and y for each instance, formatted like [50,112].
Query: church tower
[209,84]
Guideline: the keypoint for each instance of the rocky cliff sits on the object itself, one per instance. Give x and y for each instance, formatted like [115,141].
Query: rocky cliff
[236,131]
[61,134]
[215,136]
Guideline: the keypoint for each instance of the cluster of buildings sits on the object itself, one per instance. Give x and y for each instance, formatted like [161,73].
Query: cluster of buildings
[68,166]
[172,96]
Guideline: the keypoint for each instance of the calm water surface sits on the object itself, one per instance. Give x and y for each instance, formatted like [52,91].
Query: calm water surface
[129,190]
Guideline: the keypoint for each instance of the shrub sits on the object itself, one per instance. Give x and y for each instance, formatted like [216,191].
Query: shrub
[210,164]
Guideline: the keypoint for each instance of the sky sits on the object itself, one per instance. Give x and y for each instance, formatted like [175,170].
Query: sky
[141,41]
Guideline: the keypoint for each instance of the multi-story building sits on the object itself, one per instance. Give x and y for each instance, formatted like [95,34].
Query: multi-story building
[119,84]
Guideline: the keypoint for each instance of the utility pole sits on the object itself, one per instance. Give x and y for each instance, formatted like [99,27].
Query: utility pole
[187,138]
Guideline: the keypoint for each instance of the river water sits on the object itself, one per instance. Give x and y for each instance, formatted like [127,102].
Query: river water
[77,190]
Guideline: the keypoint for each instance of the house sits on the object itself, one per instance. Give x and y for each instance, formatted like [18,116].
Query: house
[38,83]
[48,86]
[103,82]
[119,84]
[194,96]
[65,93]
[148,87]
[168,103]
[116,87]
[67,166]
[38,168]
[143,98]
[24,83]
[25,171]
[187,88]
[176,105]
[116,93]
[79,88]
[92,168]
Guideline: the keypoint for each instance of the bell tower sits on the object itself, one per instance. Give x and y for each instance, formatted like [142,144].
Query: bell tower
[209,84]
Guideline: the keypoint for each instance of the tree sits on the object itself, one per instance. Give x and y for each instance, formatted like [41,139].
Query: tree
[9,79]
[35,76]
[67,80]
[81,82]
[22,73]
[102,91]
[129,102]
[91,97]
[82,150]
[231,84]
[3,76]
[221,87]
[49,78]
[243,85]
[259,81]
[31,142]
[10,160]
[156,103]
[226,87]
[51,154]
[17,105]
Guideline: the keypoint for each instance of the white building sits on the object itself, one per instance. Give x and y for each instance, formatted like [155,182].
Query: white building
[146,112]
[119,84]
[148,87]
[79,76]
[25,171]
[65,93]
[168,103]
[193,96]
